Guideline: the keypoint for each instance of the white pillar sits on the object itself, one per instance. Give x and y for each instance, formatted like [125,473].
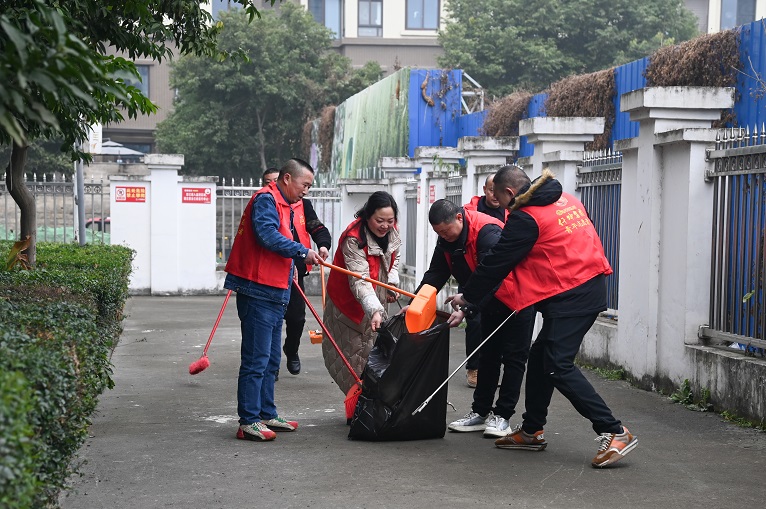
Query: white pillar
[164,178]
[483,151]
[353,196]
[398,171]
[435,163]
[566,135]
[664,225]
[131,226]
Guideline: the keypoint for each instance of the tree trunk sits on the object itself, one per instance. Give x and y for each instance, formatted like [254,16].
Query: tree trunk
[14,179]
[261,141]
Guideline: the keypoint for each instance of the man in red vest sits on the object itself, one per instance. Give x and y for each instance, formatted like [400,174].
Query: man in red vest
[557,264]
[465,237]
[307,227]
[488,205]
[261,270]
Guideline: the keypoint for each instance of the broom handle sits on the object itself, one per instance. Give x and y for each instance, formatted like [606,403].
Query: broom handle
[218,320]
[329,336]
[324,284]
[428,400]
[369,280]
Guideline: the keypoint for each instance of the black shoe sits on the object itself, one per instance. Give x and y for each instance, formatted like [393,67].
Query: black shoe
[294,364]
[276,376]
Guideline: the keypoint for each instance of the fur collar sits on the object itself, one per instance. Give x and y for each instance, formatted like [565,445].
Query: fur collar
[522,199]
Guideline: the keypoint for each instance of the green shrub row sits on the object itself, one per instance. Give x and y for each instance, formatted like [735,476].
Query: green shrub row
[58,325]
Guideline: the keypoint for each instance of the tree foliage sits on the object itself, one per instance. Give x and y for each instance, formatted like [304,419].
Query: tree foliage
[235,118]
[56,79]
[508,45]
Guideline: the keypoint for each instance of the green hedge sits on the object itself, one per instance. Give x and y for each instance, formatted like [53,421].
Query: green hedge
[58,326]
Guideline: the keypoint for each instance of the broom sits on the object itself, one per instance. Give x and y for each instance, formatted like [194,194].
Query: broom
[203,362]
[353,394]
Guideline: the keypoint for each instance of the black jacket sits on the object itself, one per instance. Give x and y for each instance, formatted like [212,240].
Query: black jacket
[440,270]
[316,229]
[519,236]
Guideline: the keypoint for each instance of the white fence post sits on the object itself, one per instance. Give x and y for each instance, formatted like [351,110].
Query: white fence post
[665,226]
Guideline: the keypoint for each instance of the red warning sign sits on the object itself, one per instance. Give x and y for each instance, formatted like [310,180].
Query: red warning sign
[196,195]
[130,194]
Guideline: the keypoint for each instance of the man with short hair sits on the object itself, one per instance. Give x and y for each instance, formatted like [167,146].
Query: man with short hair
[465,237]
[552,251]
[261,269]
[489,205]
[307,227]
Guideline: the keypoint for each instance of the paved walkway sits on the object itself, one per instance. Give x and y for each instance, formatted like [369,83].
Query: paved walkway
[165,439]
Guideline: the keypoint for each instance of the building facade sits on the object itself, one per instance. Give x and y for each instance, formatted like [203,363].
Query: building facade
[394,33]
[717,15]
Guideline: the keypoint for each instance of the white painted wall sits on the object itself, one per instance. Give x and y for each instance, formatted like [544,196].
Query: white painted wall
[131,227]
[173,237]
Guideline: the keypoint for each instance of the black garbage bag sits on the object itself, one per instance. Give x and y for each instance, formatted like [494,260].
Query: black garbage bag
[402,370]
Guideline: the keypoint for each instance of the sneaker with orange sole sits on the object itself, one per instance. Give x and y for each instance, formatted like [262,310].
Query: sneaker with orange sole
[613,447]
[520,439]
[257,432]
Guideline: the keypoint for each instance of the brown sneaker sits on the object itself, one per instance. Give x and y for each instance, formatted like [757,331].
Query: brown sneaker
[520,439]
[613,447]
[471,376]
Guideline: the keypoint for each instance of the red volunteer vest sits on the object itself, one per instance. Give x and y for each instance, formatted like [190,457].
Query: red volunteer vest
[546,271]
[299,223]
[476,221]
[474,205]
[248,259]
[337,284]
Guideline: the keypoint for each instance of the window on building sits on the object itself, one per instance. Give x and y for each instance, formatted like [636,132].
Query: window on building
[143,85]
[736,12]
[327,13]
[370,18]
[422,14]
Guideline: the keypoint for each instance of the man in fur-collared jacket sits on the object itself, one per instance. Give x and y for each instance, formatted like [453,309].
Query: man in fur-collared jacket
[557,262]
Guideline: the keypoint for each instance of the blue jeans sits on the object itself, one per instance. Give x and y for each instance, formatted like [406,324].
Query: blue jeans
[261,324]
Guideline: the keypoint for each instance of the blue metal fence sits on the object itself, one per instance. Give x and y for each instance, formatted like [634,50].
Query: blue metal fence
[738,273]
[600,182]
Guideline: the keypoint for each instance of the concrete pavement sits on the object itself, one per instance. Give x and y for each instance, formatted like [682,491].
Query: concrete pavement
[164,439]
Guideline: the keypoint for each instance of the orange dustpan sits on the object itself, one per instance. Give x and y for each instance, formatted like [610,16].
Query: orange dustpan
[422,310]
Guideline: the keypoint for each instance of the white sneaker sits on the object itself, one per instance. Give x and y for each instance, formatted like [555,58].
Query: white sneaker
[497,427]
[470,422]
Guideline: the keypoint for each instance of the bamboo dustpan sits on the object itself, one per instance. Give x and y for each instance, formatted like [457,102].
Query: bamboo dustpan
[422,311]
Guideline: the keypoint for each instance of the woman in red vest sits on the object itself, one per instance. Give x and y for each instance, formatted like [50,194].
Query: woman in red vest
[355,308]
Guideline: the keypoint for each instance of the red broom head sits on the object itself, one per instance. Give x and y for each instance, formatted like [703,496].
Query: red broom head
[351,399]
[199,365]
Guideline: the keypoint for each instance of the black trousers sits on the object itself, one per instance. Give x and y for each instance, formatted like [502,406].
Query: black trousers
[551,366]
[295,319]
[473,339]
[509,348]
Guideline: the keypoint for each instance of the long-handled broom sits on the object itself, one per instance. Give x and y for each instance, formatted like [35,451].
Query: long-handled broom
[203,362]
[353,394]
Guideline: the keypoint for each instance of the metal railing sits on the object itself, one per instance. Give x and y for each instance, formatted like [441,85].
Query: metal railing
[737,307]
[599,180]
[232,200]
[411,203]
[454,189]
[55,209]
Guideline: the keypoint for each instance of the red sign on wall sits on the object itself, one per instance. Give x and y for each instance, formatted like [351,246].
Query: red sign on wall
[196,195]
[129,194]
[431,193]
